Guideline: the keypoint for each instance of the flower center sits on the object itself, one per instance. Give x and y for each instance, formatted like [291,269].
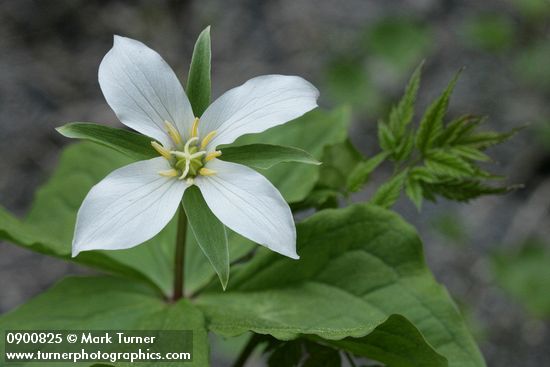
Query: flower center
[188,159]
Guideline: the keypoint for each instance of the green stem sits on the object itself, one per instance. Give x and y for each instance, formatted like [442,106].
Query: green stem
[253,342]
[179,258]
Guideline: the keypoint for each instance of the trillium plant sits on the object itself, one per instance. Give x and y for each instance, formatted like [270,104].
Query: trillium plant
[135,202]
[167,208]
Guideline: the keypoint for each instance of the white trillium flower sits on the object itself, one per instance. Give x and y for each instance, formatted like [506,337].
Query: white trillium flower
[134,203]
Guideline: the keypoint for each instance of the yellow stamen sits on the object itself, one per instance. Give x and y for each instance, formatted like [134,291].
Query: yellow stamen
[173,132]
[212,155]
[207,139]
[206,172]
[195,128]
[161,150]
[169,173]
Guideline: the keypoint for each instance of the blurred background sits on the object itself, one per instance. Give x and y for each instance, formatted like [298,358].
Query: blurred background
[492,254]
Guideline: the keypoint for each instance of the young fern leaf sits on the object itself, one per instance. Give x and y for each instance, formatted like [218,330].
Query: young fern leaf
[388,193]
[464,190]
[431,125]
[486,139]
[444,163]
[386,138]
[402,114]
[458,128]
[413,189]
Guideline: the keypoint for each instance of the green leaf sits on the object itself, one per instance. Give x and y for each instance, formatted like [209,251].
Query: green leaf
[409,348]
[361,259]
[405,147]
[360,175]
[464,190]
[386,139]
[264,156]
[445,163]
[458,128]
[469,153]
[108,303]
[423,174]
[312,133]
[133,145]
[198,81]
[388,193]
[431,124]
[208,231]
[402,114]
[484,140]
[413,189]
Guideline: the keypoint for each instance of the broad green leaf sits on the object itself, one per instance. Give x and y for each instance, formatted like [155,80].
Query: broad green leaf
[360,175]
[431,124]
[388,193]
[361,259]
[209,232]
[408,346]
[312,133]
[264,156]
[524,274]
[401,115]
[108,303]
[198,81]
[133,145]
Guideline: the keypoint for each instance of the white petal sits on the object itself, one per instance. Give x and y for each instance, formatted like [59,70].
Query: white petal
[143,90]
[128,207]
[249,204]
[257,105]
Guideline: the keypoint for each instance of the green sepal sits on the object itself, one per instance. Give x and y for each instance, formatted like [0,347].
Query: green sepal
[209,232]
[198,79]
[264,156]
[131,144]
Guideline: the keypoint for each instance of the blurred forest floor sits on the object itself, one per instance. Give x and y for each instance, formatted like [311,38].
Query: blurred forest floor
[492,254]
